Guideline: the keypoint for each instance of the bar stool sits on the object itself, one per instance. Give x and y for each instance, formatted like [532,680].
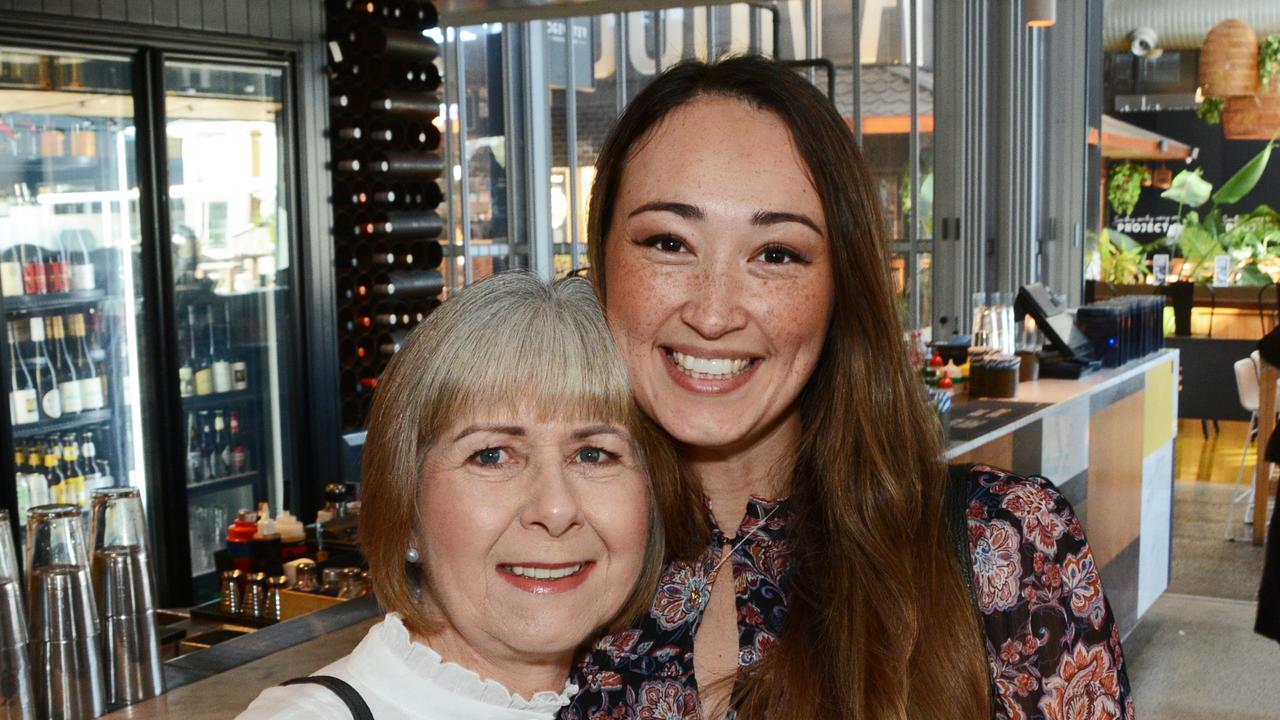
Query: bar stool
[1247,374]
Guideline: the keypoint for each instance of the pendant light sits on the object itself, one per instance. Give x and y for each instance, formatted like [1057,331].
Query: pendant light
[1040,13]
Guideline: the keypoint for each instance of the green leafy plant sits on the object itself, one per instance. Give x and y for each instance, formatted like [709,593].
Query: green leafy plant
[1125,186]
[1210,111]
[1269,62]
[1121,259]
[1253,239]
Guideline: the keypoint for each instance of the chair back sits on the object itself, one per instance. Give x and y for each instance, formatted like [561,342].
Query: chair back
[1247,383]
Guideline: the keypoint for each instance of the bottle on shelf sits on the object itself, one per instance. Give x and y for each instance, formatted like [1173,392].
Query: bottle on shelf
[220,363]
[394,43]
[428,165]
[42,373]
[93,379]
[64,369]
[239,451]
[57,274]
[53,473]
[408,105]
[208,454]
[33,278]
[409,285]
[11,284]
[195,454]
[24,403]
[187,371]
[202,365]
[82,270]
[73,474]
[22,482]
[221,443]
[405,224]
[37,481]
[411,136]
[93,478]
[239,367]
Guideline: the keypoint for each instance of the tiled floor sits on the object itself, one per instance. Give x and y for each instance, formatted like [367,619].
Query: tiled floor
[1194,655]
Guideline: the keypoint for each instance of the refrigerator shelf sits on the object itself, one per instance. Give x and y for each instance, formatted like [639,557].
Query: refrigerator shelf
[68,422]
[223,482]
[53,301]
[213,401]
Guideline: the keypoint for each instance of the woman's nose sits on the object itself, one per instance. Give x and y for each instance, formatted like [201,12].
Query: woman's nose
[552,504]
[714,304]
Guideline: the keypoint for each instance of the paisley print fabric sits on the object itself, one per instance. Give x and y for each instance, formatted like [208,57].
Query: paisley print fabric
[1052,645]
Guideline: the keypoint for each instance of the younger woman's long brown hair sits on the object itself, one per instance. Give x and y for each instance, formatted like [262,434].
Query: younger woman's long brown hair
[881,624]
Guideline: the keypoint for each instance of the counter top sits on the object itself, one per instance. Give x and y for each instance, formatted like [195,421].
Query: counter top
[1050,393]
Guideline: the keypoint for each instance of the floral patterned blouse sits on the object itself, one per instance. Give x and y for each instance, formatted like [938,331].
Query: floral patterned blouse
[1052,644]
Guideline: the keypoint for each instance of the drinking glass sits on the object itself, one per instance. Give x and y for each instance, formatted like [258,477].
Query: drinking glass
[17,701]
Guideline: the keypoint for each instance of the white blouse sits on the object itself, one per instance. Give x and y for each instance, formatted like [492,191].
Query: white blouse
[402,679]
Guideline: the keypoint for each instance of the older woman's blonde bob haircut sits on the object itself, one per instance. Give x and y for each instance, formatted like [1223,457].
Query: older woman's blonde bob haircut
[511,342]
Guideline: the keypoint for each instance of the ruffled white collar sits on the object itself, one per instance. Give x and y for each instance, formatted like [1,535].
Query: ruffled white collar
[423,662]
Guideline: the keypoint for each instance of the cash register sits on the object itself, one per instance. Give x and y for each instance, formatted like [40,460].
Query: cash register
[1068,354]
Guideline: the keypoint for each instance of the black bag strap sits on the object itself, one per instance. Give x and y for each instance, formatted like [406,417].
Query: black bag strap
[347,694]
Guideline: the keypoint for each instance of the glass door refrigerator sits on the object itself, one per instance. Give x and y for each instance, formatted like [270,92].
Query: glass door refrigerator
[69,278]
[147,284]
[226,139]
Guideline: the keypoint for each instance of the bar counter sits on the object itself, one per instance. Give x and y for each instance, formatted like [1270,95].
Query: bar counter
[1107,441]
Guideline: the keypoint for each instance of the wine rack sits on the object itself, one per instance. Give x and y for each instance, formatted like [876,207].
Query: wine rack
[385,95]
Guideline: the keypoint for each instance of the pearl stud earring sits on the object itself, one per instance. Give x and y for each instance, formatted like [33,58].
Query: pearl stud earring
[411,555]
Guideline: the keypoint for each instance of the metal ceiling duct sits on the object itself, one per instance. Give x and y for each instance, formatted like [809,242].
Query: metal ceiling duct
[1182,24]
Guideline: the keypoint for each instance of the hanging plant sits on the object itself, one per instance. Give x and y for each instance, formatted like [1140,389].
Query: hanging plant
[1125,185]
[1269,63]
[1210,111]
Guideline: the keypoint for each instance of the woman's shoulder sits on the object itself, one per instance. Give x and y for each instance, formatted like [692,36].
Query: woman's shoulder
[296,702]
[1050,634]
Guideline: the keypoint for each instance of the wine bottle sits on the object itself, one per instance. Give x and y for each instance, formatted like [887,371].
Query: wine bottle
[405,224]
[207,453]
[89,462]
[349,134]
[82,270]
[22,483]
[213,450]
[187,371]
[33,280]
[394,43]
[23,402]
[36,480]
[72,473]
[42,373]
[57,275]
[64,369]
[11,281]
[195,458]
[239,368]
[389,343]
[411,136]
[201,364]
[222,442]
[91,381]
[408,105]
[427,254]
[221,363]
[53,474]
[408,285]
[416,164]
[239,452]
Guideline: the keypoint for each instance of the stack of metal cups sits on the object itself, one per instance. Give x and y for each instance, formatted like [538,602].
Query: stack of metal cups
[66,655]
[124,585]
[17,702]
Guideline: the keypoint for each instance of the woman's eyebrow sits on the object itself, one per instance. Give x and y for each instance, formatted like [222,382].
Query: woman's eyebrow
[774,217]
[515,430]
[590,430]
[684,210]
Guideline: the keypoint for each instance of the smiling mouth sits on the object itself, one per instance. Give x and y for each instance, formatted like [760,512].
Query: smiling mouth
[701,368]
[542,572]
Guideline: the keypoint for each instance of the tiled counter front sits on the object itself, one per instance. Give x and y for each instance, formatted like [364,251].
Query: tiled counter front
[1107,442]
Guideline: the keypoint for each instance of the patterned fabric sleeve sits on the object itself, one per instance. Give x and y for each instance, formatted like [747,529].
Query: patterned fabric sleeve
[1052,641]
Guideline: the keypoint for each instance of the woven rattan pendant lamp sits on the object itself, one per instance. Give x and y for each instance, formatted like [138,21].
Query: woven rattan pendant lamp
[1229,60]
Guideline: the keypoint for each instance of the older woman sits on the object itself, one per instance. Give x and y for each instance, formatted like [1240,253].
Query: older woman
[506,512]
[740,253]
